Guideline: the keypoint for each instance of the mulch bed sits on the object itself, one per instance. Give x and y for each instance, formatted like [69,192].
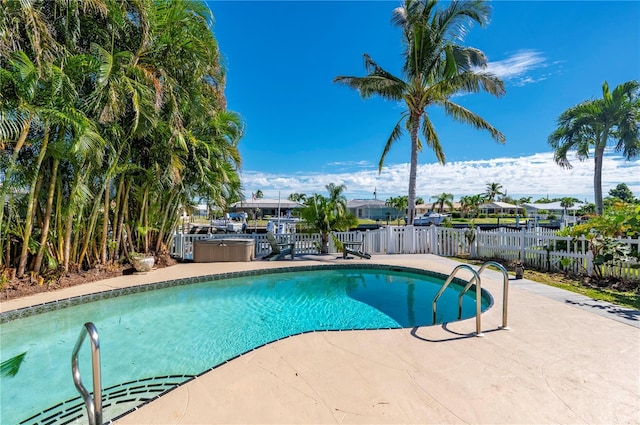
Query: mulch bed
[12,287]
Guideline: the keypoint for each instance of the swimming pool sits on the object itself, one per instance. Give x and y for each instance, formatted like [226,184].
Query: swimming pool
[164,334]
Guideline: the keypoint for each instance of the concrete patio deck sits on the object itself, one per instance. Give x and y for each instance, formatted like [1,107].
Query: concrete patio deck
[566,359]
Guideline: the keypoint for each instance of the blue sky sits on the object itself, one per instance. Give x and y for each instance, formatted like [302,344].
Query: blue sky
[303,131]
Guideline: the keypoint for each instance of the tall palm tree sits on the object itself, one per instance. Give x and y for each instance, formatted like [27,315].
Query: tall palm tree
[493,190]
[593,123]
[435,68]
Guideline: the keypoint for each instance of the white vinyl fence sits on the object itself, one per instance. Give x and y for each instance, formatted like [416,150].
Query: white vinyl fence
[539,247]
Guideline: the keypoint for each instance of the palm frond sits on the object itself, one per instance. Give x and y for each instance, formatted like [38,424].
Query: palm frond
[393,137]
[464,115]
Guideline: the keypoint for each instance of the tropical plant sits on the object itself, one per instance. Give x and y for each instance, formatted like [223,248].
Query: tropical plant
[566,203]
[493,190]
[622,192]
[399,204]
[435,69]
[588,127]
[297,197]
[326,214]
[259,194]
[441,200]
[109,133]
[524,200]
[470,204]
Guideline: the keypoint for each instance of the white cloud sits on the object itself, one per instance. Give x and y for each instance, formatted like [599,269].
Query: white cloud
[534,175]
[518,67]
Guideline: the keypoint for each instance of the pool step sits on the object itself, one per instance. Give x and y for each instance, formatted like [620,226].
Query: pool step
[116,400]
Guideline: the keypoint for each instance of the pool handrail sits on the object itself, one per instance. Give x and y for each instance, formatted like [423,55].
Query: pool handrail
[476,278]
[505,291]
[93,404]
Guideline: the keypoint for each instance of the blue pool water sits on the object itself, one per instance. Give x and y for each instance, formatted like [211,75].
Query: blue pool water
[153,340]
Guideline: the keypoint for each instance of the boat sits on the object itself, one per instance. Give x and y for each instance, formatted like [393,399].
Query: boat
[231,223]
[281,226]
[430,218]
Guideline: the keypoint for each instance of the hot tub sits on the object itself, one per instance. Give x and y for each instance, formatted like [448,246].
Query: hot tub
[218,250]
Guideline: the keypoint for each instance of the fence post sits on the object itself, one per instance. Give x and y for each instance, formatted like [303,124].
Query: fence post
[522,245]
[409,240]
[589,263]
[390,240]
[433,236]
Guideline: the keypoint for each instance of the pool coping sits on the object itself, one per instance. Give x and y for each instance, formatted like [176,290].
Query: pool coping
[559,305]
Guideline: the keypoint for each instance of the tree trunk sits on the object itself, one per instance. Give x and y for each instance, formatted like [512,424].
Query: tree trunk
[105,223]
[597,175]
[7,175]
[28,223]
[411,207]
[325,243]
[47,217]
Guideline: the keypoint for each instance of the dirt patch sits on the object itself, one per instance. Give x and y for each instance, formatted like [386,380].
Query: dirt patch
[12,287]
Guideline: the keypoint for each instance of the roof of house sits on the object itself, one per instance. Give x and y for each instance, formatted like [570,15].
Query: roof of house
[267,203]
[497,205]
[369,203]
[554,206]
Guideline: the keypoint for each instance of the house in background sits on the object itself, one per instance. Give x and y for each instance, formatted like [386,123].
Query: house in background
[430,206]
[267,207]
[552,208]
[500,208]
[372,209]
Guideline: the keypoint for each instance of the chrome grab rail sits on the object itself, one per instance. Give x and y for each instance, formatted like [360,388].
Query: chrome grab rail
[505,290]
[93,404]
[475,278]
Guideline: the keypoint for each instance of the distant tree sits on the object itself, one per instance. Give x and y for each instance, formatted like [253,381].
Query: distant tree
[399,204]
[506,198]
[441,200]
[493,190]
[567,203]
[622,192]
[524,200]
[591,124]
[297,197]
[470,204]
[259,194]
[436,68]
[586,209]
[326,214]
[419,200]
[544,200]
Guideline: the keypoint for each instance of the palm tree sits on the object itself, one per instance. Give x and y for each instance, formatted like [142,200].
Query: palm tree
[441,200]
[435,69]
[114,119]
[398,203]
[471,204]
[591,124]
[326,214]
[259,194]
[566,203]
[493,190]
[297,197]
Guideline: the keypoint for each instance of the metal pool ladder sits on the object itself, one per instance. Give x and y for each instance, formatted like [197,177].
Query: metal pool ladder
[476,279]
[505,290]
[92,403]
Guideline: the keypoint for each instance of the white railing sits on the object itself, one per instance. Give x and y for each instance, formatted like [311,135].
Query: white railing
[540,248]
